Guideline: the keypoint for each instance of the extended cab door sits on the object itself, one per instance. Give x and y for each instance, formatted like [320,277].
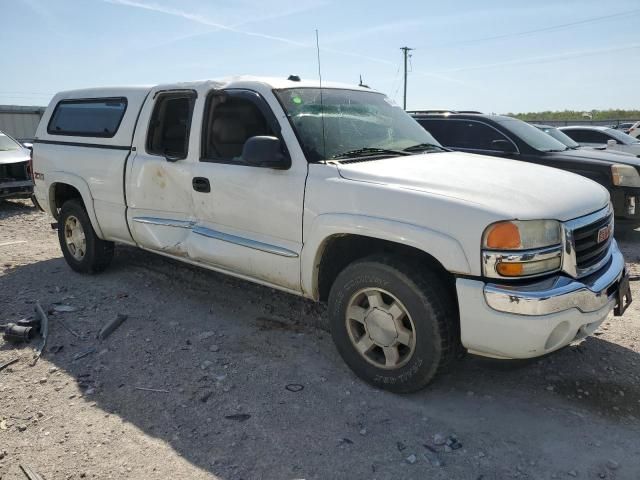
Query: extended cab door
[158,180]
[249,219]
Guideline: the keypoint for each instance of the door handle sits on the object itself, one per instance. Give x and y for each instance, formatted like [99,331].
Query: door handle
[201,184]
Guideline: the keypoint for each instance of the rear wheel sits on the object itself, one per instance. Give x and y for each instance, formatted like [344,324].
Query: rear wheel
[81,247]
[393,324]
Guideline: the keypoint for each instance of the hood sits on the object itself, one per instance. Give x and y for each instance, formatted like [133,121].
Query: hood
[14,156]
[508,188]
[605,156]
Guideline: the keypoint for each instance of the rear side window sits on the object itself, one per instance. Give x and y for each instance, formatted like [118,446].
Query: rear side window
[170,124]
[94,117]
[587,136]
[471,135]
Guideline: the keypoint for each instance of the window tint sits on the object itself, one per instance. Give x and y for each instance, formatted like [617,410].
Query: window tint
[170,124]
[463,134]
[587,136]
[99,117]
[230,120]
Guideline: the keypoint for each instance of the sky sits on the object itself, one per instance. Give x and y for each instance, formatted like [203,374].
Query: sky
[492,56]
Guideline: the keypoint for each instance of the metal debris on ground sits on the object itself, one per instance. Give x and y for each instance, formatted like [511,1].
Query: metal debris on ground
[14,333]
[110,327]
[80,355]
[159,390]
[294,387]
[238,417]
[62,308]
[29,473]
[44,331]
[67,328]
[10,362]
[431,455]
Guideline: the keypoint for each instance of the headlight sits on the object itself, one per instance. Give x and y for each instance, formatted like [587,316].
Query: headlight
[521,234]
[521,248]
[625,176]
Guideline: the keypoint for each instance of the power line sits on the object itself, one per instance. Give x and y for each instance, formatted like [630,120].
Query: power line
[540,30]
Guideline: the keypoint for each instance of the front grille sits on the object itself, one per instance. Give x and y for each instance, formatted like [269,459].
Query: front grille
[10,172]
[588,250]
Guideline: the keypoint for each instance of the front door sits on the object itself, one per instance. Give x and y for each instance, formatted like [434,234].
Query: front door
[249,219]
[158,188]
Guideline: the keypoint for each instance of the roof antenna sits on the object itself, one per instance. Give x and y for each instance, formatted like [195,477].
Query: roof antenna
[324,145]
[363,85]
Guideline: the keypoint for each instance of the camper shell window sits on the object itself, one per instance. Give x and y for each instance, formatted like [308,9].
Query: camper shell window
[93,117]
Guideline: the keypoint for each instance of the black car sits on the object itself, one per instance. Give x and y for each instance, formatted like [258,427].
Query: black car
[508,137]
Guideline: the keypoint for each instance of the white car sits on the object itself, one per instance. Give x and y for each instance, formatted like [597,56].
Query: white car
[634,130]
[338,195]
[609,138]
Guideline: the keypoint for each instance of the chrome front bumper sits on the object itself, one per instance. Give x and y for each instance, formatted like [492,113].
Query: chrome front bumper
[560,293]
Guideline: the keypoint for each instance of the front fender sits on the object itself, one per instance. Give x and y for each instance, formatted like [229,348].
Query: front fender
[444,248]
[79,184]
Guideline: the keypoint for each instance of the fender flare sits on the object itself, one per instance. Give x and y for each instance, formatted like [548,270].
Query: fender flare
[444,248]
[79,184]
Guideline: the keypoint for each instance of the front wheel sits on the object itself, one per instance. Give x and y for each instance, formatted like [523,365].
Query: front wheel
[81,247]
[394,325]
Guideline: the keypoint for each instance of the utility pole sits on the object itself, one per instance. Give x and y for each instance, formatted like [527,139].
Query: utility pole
[405,52]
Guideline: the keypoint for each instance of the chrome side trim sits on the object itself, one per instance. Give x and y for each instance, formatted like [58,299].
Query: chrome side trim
[225,237]
[491,259]
[569,262]
[559,293]
[165,222]
[245,242]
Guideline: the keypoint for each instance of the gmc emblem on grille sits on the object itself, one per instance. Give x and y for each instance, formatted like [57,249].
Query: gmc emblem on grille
[603,233]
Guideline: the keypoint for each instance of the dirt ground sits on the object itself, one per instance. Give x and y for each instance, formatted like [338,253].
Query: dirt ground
[246,384]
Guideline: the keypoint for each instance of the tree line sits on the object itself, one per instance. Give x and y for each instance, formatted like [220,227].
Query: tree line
[612,114]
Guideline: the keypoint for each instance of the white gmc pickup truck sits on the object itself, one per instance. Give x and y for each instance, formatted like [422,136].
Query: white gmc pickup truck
[336,194]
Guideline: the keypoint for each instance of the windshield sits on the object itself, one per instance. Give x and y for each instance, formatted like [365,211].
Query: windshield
[621,137]
[561,137]
[532,136]
[350,120]
[7,143]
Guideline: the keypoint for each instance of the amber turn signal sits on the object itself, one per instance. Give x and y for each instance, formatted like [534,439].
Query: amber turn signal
[510,269]
[503,235]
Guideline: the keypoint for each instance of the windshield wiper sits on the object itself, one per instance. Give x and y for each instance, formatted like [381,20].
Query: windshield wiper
[424,146]
[367,152]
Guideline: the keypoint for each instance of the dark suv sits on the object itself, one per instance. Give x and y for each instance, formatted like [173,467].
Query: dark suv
[508,137]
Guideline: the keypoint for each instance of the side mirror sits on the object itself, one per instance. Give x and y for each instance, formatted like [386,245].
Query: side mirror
[265,152]
[28,145]
[611,143]
[503,146]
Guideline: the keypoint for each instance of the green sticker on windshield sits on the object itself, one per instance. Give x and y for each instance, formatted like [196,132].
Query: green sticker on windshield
[297,100]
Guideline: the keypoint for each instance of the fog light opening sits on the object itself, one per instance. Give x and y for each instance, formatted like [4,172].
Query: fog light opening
[558,336]
[631,205]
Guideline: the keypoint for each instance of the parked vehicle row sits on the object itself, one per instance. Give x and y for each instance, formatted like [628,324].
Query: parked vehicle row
[609,138]
[338,195]
[630,128]
[517,140]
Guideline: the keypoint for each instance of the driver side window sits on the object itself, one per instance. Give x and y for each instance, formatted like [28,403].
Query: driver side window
[230,120]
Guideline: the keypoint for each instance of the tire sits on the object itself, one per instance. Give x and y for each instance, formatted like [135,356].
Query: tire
[430,312]
[85,252]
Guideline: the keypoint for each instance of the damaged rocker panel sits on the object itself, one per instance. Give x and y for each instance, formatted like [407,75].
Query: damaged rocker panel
[215,234]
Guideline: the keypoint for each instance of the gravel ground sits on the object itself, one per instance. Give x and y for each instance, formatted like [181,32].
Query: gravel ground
[246,384]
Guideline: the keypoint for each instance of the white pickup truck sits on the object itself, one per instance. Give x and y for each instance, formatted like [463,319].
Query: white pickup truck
[336,194]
